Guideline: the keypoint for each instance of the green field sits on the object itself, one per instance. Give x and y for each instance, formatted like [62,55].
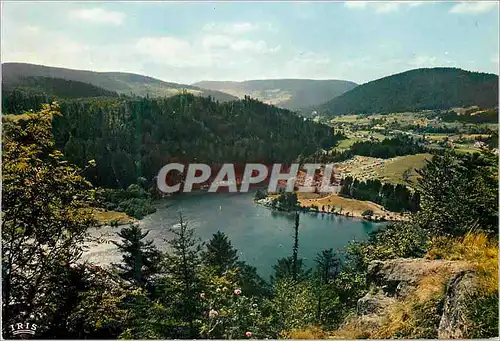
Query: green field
[394,171]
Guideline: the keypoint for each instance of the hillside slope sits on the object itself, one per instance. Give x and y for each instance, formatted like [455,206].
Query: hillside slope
[57,87]
[432,88]
[120,82]
[290,94]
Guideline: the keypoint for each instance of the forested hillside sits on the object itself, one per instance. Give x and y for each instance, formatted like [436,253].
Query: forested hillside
[432,88]
[134,137]
[194,290]
[120,82]
[290,94]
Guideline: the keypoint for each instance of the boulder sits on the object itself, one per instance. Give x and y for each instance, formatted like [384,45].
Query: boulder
[452,324]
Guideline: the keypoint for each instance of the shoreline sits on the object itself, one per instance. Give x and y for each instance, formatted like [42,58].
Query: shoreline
[351,208]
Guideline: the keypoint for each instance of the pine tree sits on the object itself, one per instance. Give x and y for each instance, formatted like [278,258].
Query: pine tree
[327,268]
[183,265]
[327,265]
[141,259]
[219,253]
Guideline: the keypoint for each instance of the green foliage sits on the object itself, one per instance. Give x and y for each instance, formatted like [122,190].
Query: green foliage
[131,138]
[45,218]
[488,116]
[219,253]
[395,198]
[183,265]
[229,313]
[397,240]
[387,148]
[293,304]
[284,268]
[286,202]
[134,201]
[434,88]
[482,316]
[459,193]
[141,259]
[32,92]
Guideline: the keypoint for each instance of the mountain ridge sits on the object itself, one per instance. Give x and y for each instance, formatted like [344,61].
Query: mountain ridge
[417,89]
[119,82]
[288,93]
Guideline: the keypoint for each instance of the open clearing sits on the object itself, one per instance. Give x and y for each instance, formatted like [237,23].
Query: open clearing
[399,169]
[349,207]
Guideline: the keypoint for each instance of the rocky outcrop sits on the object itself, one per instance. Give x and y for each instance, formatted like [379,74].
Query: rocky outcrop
[399,277]
[395,280]
[452,324]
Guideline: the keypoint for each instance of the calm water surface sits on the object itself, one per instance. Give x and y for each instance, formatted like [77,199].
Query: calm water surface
[260,235]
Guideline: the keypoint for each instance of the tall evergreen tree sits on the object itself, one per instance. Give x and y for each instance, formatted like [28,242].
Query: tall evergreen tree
[327,268]
[141,259]
[219,253]
[183,264]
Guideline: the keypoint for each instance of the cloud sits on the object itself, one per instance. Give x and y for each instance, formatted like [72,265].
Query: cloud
[231,28]
[419,61]
[495,59]
[356,4]
[473,7]
[241,45]
[99,15]
[383,7]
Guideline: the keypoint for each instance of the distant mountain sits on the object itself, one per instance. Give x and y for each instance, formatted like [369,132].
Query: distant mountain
[290,94]
[419,89]
[57,88]
[120,82]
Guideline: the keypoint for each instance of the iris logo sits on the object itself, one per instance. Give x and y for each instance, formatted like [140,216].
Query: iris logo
[23,329]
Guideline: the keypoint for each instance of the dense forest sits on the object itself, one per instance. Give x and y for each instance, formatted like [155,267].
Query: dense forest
[433,88]
[130,138]
[487,116]
[397,146]
[395,198]
[205,291]
[59,88]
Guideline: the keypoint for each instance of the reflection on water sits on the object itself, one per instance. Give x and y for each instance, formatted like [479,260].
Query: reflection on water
[260,234]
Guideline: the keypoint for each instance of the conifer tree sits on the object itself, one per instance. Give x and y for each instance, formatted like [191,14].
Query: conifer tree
[141,259]
[219,253]
[183,264]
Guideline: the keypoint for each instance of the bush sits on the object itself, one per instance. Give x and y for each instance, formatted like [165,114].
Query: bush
[397,240]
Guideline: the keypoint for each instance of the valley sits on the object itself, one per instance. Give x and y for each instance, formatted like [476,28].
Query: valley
[408,184]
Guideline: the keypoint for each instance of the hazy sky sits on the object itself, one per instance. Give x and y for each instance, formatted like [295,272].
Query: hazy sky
[187,42]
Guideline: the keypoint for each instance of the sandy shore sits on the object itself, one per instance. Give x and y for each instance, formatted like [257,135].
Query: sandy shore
[349,207]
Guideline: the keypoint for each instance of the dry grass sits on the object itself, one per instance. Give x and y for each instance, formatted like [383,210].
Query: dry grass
[417,315]
[109,217]
[477,249]
[310,333]
[350,207]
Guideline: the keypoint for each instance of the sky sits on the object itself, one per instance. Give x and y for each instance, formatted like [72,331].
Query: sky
[186,42]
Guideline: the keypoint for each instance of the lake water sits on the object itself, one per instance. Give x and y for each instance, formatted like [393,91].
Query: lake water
[260,235]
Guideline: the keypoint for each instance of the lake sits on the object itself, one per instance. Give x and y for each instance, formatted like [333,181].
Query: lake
[260,235]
